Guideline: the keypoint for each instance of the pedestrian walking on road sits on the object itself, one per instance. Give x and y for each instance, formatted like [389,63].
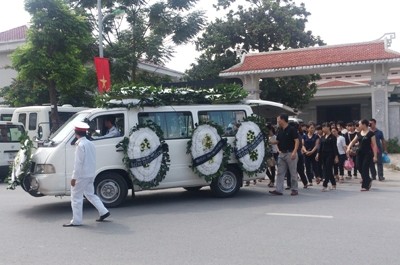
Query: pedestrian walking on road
[310,148]
[367,153]
[288,143]
[382,148]
[328,155]
[83,178]
[349,136]
[341,145]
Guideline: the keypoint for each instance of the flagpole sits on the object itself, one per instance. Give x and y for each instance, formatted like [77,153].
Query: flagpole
[100,24]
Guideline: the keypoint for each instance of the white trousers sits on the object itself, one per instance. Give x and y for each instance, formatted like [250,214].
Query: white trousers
[85,187]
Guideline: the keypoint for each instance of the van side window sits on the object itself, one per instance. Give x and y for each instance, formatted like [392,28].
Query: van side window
[22,118]
[32,121]
[5,117]
[107,126]
[175,125]
[229,120]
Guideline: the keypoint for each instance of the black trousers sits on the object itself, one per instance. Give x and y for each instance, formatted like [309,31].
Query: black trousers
[327,161]
[339,167]
[311,167]
[364,161]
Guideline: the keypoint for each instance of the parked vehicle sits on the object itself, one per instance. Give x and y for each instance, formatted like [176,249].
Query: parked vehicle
[37,122]
[10,134]
[6,113]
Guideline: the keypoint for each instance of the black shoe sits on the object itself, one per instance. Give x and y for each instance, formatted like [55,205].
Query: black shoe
[381,179]
[69,225]
[274,192]
[104,216]
[287,188]
[373,178]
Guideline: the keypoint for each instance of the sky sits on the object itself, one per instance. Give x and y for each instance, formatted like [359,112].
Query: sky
[335,21]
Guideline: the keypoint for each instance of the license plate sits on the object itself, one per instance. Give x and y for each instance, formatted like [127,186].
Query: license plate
[11,156]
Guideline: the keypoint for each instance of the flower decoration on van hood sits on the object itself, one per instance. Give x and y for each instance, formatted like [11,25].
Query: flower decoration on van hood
[146,155]
[251,146]
[20,169]
[141,96]
[210,152]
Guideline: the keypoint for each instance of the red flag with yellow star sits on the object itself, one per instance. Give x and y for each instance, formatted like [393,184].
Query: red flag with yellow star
[103,74]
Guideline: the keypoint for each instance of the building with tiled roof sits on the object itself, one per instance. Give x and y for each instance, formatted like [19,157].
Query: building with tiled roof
[358,80]
[9,41]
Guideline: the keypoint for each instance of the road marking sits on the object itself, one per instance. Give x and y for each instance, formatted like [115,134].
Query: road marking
[301,215]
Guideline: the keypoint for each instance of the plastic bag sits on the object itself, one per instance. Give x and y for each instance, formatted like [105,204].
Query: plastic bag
[348,164]
[385,158]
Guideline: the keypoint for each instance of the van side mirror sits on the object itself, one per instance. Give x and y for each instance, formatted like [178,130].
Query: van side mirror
[40,132]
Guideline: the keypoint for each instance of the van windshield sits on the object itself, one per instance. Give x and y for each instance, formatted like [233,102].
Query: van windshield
[67,127]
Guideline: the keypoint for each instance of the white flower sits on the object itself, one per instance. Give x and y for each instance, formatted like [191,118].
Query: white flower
[135,150]
[18,164]
[204,139]
[249,162]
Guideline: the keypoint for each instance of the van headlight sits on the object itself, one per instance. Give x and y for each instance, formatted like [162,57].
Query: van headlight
[44,169]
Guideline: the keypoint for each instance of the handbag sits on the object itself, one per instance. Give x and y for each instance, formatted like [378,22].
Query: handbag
[385,158]
[348,164]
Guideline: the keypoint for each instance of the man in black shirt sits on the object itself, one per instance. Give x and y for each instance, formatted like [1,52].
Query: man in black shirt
[288,143]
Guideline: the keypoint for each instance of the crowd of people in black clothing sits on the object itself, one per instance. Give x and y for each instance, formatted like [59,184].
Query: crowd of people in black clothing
[323,153]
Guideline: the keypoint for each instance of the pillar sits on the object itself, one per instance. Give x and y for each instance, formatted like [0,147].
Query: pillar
[251,83]
[394,120]
[379,97]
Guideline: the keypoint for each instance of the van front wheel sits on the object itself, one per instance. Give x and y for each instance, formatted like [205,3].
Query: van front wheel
[111,188]
[226,185]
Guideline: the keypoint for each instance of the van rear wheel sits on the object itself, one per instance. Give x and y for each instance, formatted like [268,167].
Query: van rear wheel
[111,188]
[228,184]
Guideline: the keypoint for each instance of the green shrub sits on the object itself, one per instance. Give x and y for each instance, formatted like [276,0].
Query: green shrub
[393,146]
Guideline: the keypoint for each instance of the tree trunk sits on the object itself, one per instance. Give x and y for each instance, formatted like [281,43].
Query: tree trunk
[54,118]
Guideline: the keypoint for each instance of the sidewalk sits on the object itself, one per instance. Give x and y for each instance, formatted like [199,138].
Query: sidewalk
[394,161]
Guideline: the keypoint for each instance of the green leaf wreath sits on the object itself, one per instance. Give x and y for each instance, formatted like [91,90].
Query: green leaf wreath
[143,146]
[207,144]
[141,96]
[27,147]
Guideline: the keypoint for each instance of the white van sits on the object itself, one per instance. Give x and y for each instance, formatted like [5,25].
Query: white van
[52,164]
[37,122]
[10,134]
[6,113]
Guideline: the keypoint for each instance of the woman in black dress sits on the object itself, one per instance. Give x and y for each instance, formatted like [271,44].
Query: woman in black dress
[366,154]
[328,155]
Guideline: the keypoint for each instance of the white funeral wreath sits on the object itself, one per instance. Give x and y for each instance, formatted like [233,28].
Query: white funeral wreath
[204,142]
[254,159]
[146,155]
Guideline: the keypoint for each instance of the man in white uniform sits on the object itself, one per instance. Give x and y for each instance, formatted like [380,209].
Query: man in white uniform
[83,178]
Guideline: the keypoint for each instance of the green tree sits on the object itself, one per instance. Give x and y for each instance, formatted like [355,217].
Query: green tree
[20,94]
[56,49]
[154,29]
[257,26]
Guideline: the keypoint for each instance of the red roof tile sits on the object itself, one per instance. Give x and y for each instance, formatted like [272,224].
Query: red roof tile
[14,34]
[324,55]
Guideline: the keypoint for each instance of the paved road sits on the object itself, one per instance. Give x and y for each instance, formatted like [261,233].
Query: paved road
[344,226]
